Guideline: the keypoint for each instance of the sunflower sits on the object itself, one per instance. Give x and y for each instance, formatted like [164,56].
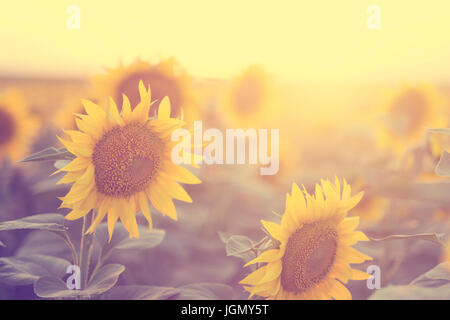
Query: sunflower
[314,252]
[17,126]
[250,99]
[166,78]
[122,161]
[407,114]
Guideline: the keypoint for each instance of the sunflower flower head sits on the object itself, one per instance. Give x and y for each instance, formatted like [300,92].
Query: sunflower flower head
[250,99]
[407,114]
[123,161]
[17,126]
[314,254]
[166,78]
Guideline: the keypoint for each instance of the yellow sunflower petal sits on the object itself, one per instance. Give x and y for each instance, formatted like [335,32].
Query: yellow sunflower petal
[164,109]
[255,277]
[162,202]
[267,256]
[93,109]
[76,164]
[275,230]
[174,190]
[180,174]
[126,107]
[99,217]
[143,204]
[77,214]
[340,292]
[273,271]
[352,238]
[359,275]
[76,149]
[354,256]
[348,224]
[113,112]
[113,215]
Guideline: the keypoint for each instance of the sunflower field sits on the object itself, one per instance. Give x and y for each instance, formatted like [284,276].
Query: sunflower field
[316,140]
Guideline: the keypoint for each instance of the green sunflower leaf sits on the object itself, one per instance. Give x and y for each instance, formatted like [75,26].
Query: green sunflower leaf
[45,243]
[140,292]
[52,287]
[28,269]
[432,285]
[238,246]
[147,240]
[47,221]
[121,238]
[104,280]
[50,154]
[436,277]
[443,167]
[412,293]
[205,291]
[438,238]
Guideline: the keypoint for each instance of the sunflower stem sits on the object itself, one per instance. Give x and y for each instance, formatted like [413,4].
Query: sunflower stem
[85,253]
[72,248]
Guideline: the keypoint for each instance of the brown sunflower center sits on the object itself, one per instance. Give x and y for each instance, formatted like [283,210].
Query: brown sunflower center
[126,159]
[310,253]
[249,95]
[7,127]
[410,110]
[161,86]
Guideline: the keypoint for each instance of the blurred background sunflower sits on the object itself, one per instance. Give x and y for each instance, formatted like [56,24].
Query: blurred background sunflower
[407,114]
[167,79]
[17,126]
[250,100]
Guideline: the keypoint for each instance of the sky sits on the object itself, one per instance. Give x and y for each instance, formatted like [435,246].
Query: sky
[304,41]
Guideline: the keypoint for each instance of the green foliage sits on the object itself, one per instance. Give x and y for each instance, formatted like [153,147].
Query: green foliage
[243,247]
[197,291]
[205,291]
[47,272]
[438,238]
[105,279]
[26,270]
[137,292]
[50,154]
[432,285]
[121,240]
[48,221]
